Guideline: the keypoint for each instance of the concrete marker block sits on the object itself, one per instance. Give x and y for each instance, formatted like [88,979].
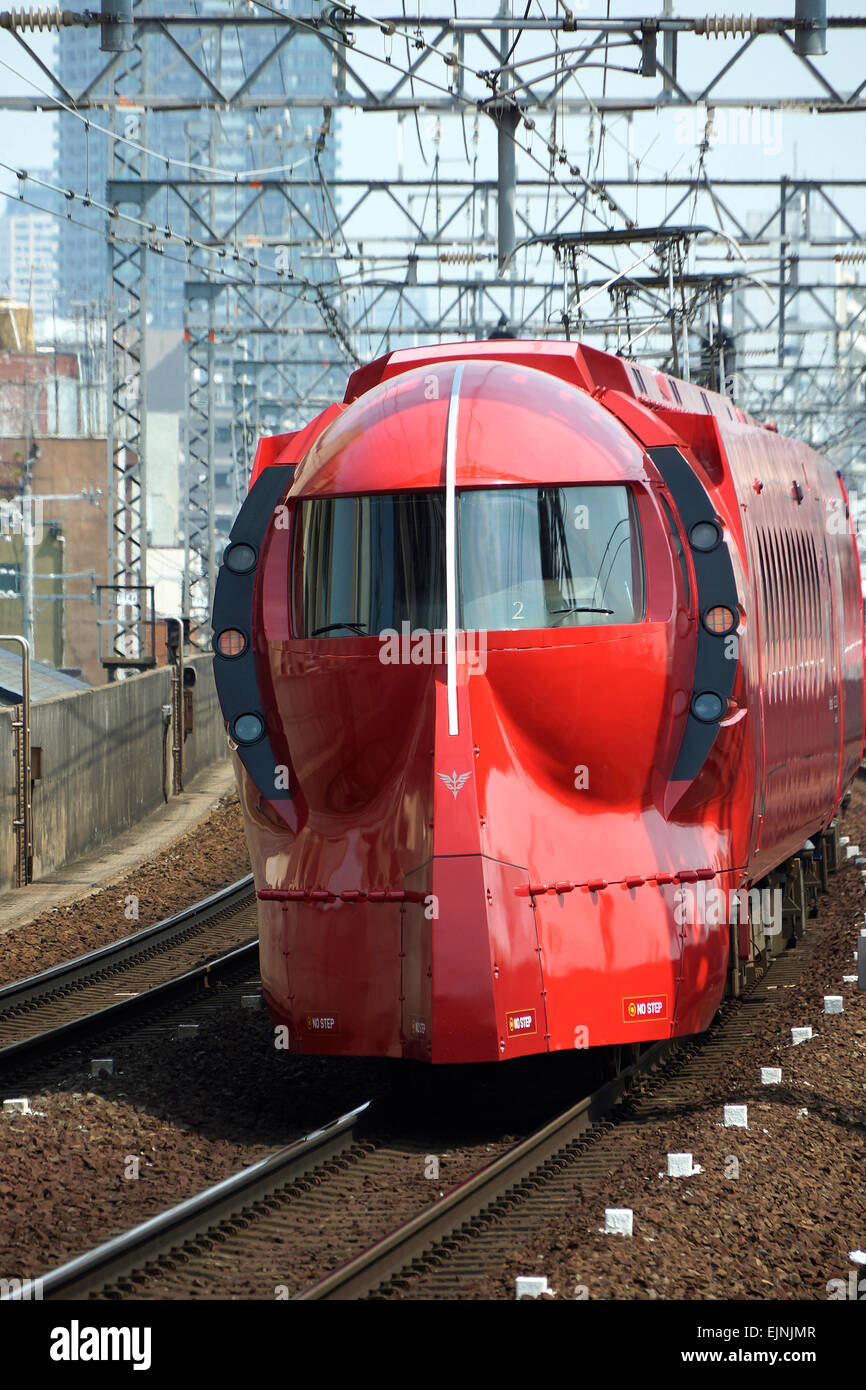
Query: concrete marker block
[531,1285]
[680,1165]
[736,1117]
[861,961]
[102,1066]
[849,979]
[187,1030]
[800,1035]
[833,1004]
[851,851]
[251,1001]
[19,1106]
[771,1076]
[618,1221]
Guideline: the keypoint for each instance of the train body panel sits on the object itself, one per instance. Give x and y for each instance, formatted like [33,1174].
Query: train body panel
[541,661]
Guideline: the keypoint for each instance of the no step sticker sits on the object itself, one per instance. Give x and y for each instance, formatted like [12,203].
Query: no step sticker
[645,1008]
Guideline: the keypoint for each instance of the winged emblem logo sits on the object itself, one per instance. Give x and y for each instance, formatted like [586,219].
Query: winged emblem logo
[454,783]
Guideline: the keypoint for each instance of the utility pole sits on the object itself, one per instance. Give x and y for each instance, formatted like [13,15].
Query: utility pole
[28,540]
[507,118]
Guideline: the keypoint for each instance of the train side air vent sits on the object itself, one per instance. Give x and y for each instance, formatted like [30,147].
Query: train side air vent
[639,381]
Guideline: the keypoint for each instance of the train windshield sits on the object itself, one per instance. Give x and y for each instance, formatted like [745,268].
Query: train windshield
[550,557]
[366,564]
[539,557]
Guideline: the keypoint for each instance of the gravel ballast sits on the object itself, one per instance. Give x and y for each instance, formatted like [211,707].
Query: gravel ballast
[204,860]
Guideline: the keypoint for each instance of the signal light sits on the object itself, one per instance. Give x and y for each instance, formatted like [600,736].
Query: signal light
[231,642]
[720,620]
[705,535]
[248,728]
[240,558]
[708,706]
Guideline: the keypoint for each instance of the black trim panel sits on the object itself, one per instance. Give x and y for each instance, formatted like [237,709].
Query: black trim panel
[714,573]
[235,677]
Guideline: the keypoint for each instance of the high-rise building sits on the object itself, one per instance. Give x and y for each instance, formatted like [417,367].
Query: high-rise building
[28,257]
[186,146]
[235,142]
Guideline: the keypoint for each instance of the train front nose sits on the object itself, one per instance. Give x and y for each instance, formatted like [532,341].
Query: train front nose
[435,763]
[466,691]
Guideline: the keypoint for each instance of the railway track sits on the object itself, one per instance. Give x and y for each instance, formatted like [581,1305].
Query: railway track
[267,1231]
[153,967]
[251,1235]
[472,1233]
[254,1191]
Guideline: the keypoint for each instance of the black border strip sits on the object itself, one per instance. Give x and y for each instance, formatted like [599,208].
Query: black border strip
[714,670]
[236,680]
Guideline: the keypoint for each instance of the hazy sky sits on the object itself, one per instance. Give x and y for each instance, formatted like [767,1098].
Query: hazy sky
[763,145]
[813,144]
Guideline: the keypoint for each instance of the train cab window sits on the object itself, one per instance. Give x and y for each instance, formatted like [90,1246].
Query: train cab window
[540,557]
[364,564]
[550,557]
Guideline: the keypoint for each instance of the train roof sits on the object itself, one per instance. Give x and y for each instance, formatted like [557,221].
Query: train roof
[589,368]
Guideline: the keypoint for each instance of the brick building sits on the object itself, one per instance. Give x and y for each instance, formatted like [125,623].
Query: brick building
[45,416]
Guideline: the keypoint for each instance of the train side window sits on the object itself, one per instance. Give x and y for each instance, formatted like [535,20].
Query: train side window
[678,547]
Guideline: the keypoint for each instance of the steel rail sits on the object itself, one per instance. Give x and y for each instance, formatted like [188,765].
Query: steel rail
[395,1251]
[130,1251]
[129,1008]
[132,950]
[84,968]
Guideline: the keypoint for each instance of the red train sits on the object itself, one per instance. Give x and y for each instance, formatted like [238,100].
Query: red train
[532,660]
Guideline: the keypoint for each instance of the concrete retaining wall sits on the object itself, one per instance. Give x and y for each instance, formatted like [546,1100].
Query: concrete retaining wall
[106,762]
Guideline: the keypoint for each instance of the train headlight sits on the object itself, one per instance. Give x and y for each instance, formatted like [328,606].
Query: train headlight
[248,728]
[240,558]
[708,706]
[231,642]
[720,620]
[705,535]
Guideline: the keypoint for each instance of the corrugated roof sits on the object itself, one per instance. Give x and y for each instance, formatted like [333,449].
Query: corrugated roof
[45,682]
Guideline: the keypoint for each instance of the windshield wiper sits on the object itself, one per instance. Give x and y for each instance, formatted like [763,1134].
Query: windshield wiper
[577,610]
[329,627]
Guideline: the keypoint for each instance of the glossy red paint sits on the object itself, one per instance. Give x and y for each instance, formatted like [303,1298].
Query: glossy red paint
[476,896]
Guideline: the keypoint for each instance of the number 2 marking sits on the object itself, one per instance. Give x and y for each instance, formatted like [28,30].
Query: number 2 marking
[515,615]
